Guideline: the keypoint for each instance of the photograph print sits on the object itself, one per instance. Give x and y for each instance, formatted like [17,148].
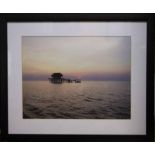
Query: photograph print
[76,77]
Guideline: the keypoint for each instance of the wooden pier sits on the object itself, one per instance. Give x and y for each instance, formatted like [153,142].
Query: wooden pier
[57,78]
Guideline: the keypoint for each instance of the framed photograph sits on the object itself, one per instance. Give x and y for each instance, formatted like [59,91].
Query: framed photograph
[77,77]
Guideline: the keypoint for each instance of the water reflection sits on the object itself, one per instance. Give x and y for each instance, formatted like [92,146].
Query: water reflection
[88,100]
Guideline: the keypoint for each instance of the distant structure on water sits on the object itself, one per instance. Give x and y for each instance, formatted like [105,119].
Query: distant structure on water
[58,78]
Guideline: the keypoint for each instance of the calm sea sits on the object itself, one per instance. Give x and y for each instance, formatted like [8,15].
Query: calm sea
[85,100]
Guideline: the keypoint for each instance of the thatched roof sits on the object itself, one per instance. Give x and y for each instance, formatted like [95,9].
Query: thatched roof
[56,75]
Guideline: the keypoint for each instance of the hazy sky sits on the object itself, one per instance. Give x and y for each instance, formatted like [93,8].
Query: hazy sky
[87,58]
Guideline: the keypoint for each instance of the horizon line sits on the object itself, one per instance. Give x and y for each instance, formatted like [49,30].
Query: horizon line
[82,80]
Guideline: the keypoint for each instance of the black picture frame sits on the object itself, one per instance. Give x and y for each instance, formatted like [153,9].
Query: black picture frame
[4,18]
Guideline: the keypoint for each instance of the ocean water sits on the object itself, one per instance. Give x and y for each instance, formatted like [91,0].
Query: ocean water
[85,100]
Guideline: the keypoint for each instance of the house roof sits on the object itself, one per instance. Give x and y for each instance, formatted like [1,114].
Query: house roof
[56,75]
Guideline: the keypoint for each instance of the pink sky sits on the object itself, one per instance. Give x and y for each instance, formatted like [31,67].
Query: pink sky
[87,58]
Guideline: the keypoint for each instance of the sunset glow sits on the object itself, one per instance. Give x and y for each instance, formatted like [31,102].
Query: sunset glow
[86,58]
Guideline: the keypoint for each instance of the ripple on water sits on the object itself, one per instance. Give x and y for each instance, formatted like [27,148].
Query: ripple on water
[107,100]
